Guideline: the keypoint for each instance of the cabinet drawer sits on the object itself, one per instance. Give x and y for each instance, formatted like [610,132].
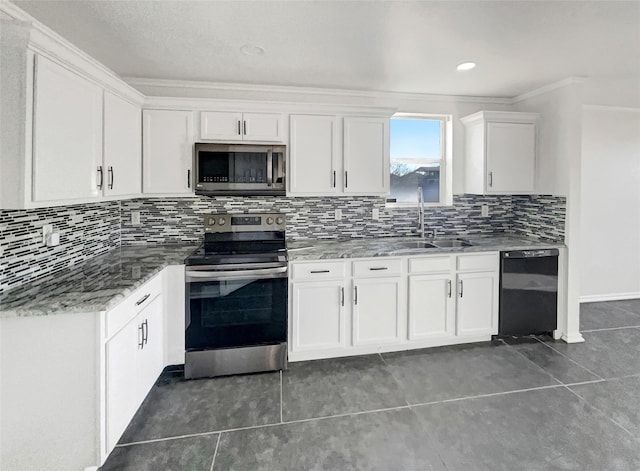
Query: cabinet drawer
[120,315]
[475,262]
[318,271]
[430,264]
[381,267]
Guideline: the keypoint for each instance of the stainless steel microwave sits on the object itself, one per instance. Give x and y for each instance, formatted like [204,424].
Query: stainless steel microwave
[237,169]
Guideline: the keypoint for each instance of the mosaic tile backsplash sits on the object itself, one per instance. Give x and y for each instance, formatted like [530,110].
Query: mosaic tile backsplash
[85,231]
[93,229]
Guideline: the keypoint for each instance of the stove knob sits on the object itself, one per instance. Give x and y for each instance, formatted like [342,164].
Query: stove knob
[279,221]
[222,221]
[269,220]
[212,221]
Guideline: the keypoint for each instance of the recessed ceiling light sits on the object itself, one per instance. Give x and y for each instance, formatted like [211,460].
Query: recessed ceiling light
[252,50]
[466,66]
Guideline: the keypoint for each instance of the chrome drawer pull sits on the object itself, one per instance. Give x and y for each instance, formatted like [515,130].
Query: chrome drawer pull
[320,271]
[378,268]
[143,299]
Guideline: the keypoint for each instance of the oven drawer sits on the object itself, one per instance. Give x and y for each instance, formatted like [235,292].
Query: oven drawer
[318,271]
[120,315]
[380,267]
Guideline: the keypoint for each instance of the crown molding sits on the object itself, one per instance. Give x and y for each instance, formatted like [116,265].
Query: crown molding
[547,88]
[296,92]
[46,41]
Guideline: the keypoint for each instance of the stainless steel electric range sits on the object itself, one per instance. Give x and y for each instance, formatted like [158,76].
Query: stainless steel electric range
[236,297]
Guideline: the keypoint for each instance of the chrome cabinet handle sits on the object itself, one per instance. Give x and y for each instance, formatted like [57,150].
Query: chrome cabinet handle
[355,298]
[342,296]
[461,288]
[145,331]
[239,130]
[378,268]
[244,128]
[320,271]
[189,178]
[346,179]
[110,171]
[449,287]
[141,336]
[101,177]
[334,178]
[490,178]
[143,299]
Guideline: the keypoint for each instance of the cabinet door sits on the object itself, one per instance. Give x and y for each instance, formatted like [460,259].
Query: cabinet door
[366,156]
[167,152]
[431,307]
[376,310]
[510,157]
[477,304]
[121,382]
[150,355]
[313,155]
[67,134]
[221,125]
[262,127]
[122,147]
[318,316]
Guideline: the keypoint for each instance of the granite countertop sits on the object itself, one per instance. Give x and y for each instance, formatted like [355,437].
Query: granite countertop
[92,286]
[393,246]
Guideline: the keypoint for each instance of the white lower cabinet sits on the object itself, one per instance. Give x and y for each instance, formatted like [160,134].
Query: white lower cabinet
[319,320]
[377,305]
[393,304]
[431,307]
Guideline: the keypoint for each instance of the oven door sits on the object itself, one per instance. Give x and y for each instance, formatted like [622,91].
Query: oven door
[239,169]
[235,307]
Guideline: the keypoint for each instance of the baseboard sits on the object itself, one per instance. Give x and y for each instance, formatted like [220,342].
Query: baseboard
[592,298]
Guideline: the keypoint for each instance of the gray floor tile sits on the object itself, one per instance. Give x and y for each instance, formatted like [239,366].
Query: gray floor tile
[385,441]
[463,371]
[183,454]
[631,305]
[557,365]
[608,353]
[618,398]
[177,407]
[337,386]
[544,429]
[606,315]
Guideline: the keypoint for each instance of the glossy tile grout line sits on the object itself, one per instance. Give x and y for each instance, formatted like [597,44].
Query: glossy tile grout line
[611,328]
[281,412]
[534,363]
[600,410]
[215,452]
[570,359]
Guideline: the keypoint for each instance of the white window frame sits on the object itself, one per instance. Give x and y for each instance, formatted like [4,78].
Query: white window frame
[445,160]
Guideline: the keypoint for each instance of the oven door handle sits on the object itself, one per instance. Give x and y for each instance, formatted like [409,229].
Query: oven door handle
[200,276]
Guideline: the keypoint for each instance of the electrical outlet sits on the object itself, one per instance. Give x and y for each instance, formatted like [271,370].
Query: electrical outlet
[375,214]
[135,218]
[338,214]
[485,210]
[46,230]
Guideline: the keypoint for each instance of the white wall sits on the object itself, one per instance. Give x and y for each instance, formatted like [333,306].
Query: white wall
[610,267]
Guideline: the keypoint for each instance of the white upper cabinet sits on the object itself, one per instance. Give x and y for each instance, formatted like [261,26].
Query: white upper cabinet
[330,155]
[366,156]
[122,147]
[236,126]
[167,155]
[67,135]
[314,155]
[500,153]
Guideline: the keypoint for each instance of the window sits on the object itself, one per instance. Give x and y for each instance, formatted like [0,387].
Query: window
[418,159]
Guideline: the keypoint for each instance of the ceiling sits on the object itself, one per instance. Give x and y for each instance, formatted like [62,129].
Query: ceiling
[401,46]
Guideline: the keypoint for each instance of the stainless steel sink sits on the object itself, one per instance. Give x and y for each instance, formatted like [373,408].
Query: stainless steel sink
[416,244]
[446,243]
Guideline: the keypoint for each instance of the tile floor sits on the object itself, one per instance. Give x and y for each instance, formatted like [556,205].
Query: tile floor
[523,405]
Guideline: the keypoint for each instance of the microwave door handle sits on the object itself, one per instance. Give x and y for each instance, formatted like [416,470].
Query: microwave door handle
[269,167]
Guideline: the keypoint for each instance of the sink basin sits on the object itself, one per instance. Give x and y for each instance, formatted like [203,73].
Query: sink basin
[446,243]
[416,244]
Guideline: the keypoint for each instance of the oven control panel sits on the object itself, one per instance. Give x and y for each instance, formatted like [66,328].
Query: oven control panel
[226,222]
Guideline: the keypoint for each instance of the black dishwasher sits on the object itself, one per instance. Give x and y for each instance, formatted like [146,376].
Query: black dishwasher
[528,292]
